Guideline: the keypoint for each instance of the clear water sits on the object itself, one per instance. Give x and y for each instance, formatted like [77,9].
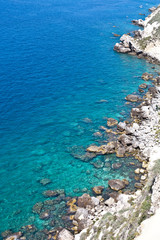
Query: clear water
[57,63]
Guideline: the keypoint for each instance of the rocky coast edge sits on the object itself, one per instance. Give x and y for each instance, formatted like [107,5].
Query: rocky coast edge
[128,215]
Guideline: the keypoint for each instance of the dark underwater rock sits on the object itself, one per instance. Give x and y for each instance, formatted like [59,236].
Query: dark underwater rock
[45,181]
[37,207]
[116,165]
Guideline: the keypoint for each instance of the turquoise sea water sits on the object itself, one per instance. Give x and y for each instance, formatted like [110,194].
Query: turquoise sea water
[57,64]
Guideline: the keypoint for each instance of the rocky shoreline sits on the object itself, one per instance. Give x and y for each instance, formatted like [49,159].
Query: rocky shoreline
[119,214]
[122,214]
[145,43]
[123,211]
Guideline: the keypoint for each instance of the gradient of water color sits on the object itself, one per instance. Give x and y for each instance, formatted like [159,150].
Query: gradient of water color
[57,63]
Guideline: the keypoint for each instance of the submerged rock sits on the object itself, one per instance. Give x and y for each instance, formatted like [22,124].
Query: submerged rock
[37,207]
[116,184]
[116,165]
[44,215]
[116,35]
[98,164]
[50,193]
[45,181]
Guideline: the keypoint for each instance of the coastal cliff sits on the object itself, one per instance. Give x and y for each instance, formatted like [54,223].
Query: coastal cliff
[144,43]
[135,216]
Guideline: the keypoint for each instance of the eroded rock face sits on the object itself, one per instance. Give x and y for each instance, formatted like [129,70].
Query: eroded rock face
[111,122]
[116,184]
[65,235]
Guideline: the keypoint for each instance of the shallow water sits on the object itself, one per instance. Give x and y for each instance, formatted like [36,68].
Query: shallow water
[57,64]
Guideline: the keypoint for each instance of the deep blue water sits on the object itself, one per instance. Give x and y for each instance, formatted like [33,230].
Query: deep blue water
[57,63]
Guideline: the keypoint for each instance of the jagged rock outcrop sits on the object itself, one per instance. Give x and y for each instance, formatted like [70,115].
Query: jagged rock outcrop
[146,42]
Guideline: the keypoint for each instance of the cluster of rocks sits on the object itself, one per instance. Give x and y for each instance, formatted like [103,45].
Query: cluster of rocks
[121,213]
[145,43]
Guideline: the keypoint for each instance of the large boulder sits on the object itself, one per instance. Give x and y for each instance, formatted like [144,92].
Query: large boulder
[121,49]
[153,91]
[132,98]
[136,113]
[98,190]
[121,126]
[93,148]
[84,200]
[81,217]
[120,152]
[103,149]
[65,235]
[138,22]
[116,184]
[152,9]
[125,140]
